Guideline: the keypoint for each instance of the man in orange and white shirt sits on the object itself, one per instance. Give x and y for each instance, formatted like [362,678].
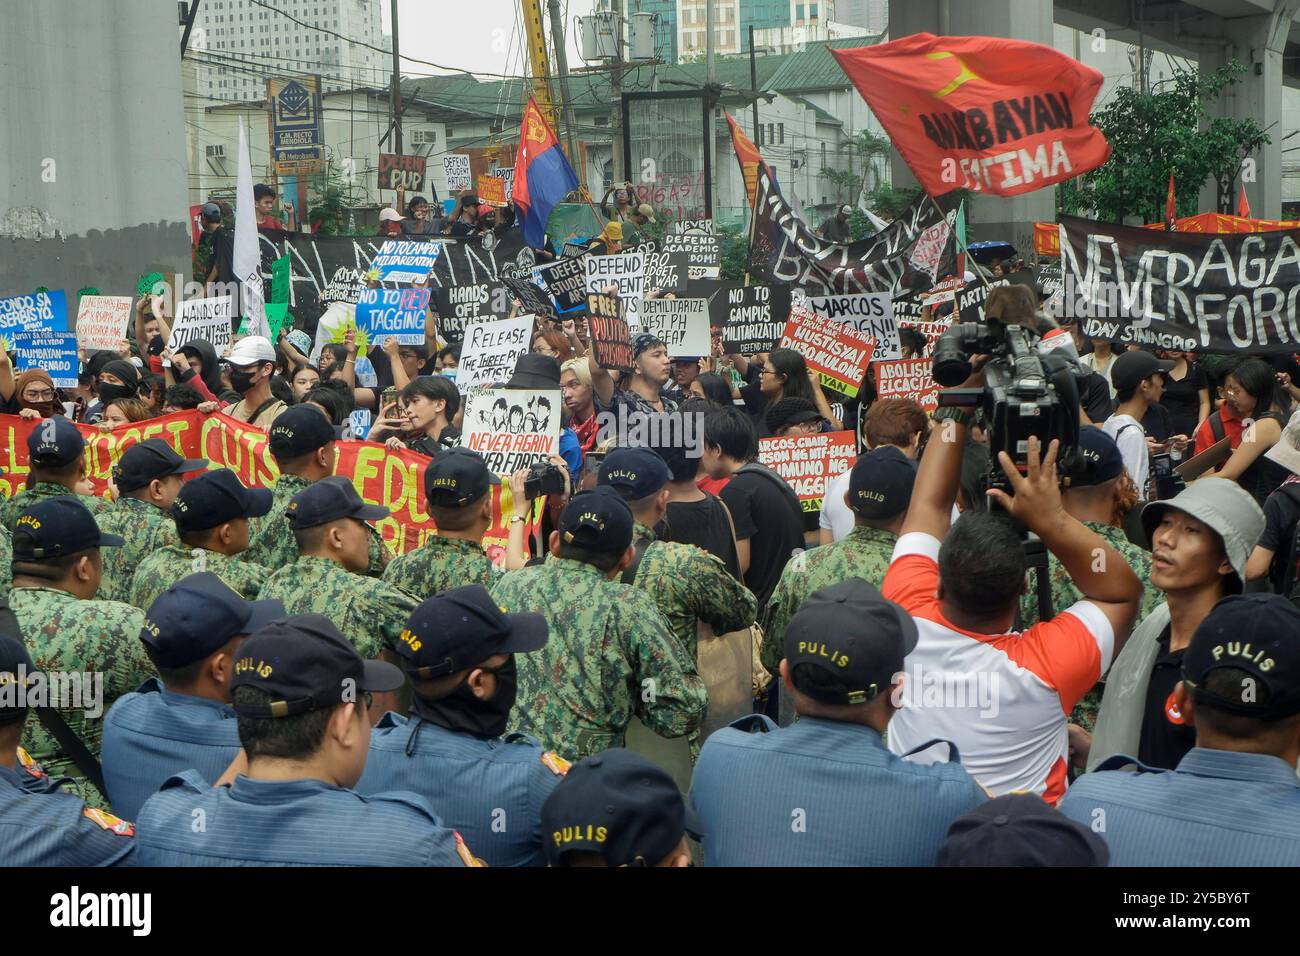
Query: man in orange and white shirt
[1001,697]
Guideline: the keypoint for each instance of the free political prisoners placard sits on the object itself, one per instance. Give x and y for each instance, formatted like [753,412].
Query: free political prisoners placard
[512,428]
[809,462]
[611,339]
[381,475]
[55,352]
[681,324]
[834,350]
[907,378]
[870,313]
[490,350]
[626,272]
[102,321]
[208,320]
[406,260]
[752,317]
[399,313]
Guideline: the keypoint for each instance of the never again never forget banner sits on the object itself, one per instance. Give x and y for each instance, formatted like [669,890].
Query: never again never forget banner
[1182,291]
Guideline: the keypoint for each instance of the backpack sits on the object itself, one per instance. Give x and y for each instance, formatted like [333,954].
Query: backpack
[1288,561]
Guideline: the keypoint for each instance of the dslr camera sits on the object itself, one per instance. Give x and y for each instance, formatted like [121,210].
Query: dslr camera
[544,478]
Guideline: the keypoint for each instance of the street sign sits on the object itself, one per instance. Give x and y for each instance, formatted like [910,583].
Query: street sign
[297,140]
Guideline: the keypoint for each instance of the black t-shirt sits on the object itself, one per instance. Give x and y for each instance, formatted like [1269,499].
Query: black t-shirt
[1281,514]
[1094,396]
[1163,742]
[462,228]
[773,525]
[1183,401]
[1156,423]
[223,255]
[704,524]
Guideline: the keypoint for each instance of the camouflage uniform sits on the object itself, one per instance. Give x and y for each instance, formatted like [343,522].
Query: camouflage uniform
[372,614]
[6,563]
[164,567]
[66,634]
[272,544]
[146,528]
[20,502]
[863,553]
[609,650]
[441,564]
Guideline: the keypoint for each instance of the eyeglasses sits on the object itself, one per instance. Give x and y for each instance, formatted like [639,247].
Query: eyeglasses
[45,395]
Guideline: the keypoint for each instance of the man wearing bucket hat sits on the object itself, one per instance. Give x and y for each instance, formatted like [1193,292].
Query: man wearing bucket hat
[1200,543]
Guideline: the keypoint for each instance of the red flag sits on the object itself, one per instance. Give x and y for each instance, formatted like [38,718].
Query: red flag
[748,156]
[1243,204]
[1171,207]
[982,113]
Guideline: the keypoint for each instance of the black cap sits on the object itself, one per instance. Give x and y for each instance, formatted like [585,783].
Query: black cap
[534,370]
[463,627]
[853,634]
[790,411]
[215,497]
[1099,459]
[645,340]
[98,360]
[1254,633]
[328,500]
[196,616]
[15,668]
[54,443]
[598,520]
[618,805]
[150,459]
[1019,829]
[634,472]
[211,212]
[56,528]
[299,430]
[456,477]
[303,663]
[1132,367]
[880,484]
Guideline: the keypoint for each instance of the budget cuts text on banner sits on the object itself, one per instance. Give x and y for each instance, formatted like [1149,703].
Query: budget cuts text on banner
[394,479]
[809,462]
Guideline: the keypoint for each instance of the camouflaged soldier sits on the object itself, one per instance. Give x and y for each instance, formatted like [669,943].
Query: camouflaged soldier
[302,441]
[56,453]
[610,656]
[211,513]
[880,489]
[148,477]
[94,645]
[458,496]
[687,584]
[6,559]
[328,519]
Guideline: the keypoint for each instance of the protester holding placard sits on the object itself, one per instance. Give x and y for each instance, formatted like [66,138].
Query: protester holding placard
[643,391]
[785,374]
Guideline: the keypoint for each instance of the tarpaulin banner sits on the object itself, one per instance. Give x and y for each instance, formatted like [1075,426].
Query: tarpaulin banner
[907,378]
[1182,291]
[752,317]
[1217,223]
[835,351]
[809,462]
[1047,238]
[986,114]
[394,479]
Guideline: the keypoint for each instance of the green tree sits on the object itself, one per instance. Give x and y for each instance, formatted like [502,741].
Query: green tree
[333,197]
[861,149]
[1169,129]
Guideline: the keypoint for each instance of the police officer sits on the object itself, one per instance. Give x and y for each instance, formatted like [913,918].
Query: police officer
[56,453]
[1020,829]
[6,562]
[617,809]
[212,515]
[458,496]
[880,489]
[459,650]
[301,693]
[181,719]
[826,791]
[566,701]
[40,823]
[303,443]
[57,567]
[147,476]
[328,519]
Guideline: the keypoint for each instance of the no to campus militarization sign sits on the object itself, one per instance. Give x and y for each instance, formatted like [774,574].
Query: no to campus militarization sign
[381,476]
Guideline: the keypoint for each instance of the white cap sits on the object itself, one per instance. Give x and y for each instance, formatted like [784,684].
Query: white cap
[388,214]
[251,350]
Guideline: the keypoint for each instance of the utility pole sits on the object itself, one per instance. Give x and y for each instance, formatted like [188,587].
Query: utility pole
[753,81]
[709,95]
[566,103]
[397,89]
[616,83]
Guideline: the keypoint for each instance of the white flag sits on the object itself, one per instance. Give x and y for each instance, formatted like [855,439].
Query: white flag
[247,257]
[796,204]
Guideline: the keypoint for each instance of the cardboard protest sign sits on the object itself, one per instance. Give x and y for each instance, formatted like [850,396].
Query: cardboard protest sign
[1051,282]
[102,321]
[281,272]
[55,352]
[401,172]
[665,271]
[703,253]
[611,339]
[835,350]
[207,320]
[490,350]
[626,271]
[456,168]
[37,310]
[512,428]
[573,249]
[399,313]
[565,282]
[932,331]
[703,227]
[507,175]
[152,283]
[870,313]
[682,325]
[492,190]
[531,297]
[809,462]
[752,317]
[406,260]
[459,305]
[907,378]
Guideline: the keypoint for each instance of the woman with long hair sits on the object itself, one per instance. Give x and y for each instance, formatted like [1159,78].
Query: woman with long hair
[710,387]
[785,374]
[1251,417]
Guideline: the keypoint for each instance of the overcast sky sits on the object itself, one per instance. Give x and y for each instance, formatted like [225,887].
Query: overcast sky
[475,35]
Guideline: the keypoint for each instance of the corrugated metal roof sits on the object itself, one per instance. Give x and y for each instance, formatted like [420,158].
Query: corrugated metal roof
[813,68]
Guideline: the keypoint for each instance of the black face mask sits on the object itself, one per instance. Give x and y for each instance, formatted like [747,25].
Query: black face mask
[241,381]
[156,345]
[109,393]
[463,712]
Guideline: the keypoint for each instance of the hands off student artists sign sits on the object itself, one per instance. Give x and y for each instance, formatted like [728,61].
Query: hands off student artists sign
[835,351]
[809,462]
[208,320]
[907,378]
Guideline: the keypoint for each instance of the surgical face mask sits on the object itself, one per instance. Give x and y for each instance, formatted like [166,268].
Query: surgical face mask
[449,373]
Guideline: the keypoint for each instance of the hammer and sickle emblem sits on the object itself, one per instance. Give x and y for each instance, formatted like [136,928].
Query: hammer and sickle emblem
[962,76]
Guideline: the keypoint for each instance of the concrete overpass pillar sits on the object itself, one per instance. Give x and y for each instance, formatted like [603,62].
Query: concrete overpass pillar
[1257,42]
[990,217]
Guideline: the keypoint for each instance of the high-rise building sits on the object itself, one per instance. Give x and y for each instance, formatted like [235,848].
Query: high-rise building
[681,33]
[237,44]
[873,15]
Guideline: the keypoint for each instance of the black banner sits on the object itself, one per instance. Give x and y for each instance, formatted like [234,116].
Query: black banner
[665,271]
[611,339]
[459,305]
[1183,291]
[752,317]
[531,298]
[566,283]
